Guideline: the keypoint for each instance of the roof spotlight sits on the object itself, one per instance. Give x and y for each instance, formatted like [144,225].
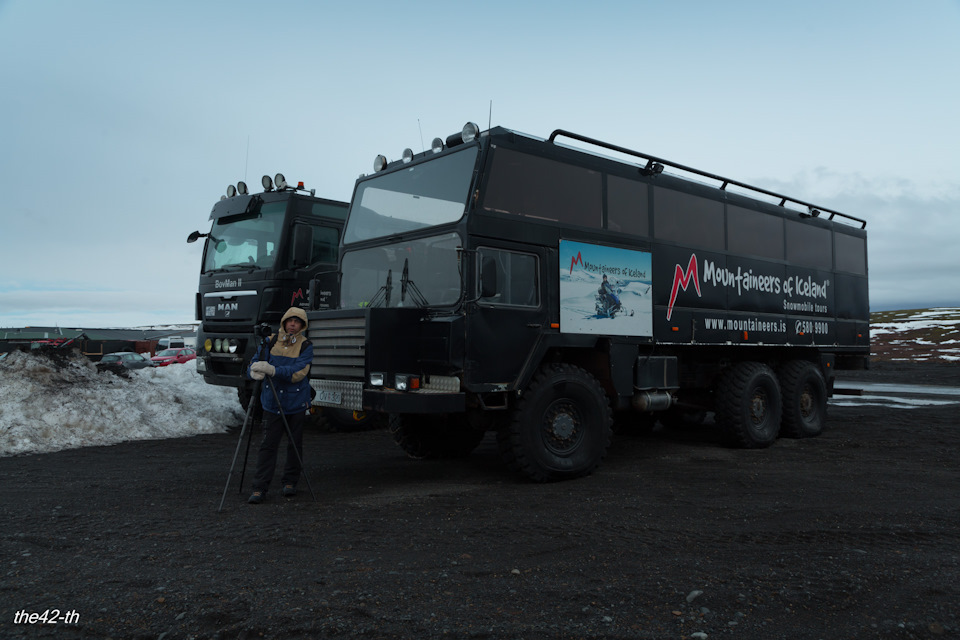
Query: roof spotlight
[242,188]
[407,155]
[437,145]
[280,180]
[267,183]
[379,163]
[470,132]
[231,191]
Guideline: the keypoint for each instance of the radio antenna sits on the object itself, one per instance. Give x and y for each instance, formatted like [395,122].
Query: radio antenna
[490,116]
[422,148]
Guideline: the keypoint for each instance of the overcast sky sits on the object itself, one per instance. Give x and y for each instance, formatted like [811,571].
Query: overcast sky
[121,123]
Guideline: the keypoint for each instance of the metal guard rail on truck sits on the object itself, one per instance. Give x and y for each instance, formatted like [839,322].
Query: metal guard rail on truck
[652,161]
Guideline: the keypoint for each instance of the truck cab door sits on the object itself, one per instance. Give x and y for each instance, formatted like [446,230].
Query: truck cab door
[508,317]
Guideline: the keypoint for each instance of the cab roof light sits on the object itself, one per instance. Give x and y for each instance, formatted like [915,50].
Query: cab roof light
[379,163]
[267,183]
[242,188]
[407,155]
[281,181]
[437,145]
[469,133]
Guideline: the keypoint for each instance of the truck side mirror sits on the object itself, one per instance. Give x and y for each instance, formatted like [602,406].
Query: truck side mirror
[302,245]
[488,277]
[193,237]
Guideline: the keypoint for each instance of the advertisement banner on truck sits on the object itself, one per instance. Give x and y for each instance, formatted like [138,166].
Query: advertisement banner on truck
[605,290]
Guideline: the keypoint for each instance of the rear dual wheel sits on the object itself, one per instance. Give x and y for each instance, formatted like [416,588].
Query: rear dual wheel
[755,406]
[804,394]
[748,405]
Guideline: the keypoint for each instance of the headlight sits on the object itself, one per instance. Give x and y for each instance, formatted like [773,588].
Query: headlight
[407,382]
[233,345]
[376,379]
[208,345]
[218,345]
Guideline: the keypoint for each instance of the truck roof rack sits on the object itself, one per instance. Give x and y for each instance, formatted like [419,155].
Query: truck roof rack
[655,165]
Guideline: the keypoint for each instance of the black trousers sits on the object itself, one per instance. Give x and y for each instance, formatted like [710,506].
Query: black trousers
[273,431]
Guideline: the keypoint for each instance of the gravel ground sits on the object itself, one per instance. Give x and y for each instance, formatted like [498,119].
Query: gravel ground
[855,534]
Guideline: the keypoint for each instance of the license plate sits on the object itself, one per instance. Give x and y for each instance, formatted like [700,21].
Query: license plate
[330,397]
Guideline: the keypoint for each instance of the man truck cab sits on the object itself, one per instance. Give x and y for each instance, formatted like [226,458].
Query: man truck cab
[261,255]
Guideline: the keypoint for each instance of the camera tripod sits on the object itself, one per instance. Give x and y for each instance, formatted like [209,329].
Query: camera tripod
[254,399]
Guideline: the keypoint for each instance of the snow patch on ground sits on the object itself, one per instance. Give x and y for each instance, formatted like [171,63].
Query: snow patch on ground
[50,404]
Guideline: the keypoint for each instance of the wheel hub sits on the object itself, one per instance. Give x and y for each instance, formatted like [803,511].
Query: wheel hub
[758,408]
[562,427]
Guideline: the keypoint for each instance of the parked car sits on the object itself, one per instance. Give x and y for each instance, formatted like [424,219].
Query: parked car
[173,356]
[125,359]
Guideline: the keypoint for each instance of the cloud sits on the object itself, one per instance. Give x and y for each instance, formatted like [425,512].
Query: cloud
[912,234]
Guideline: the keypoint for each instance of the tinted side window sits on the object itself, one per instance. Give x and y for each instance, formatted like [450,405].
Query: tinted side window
[329,211]
[326,241]
[536,187]
[627,206]
[517,281]
[851,253]
[686,218]
[753,233]
[809,246]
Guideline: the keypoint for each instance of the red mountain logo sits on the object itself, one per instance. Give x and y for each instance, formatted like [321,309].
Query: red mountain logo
[681,279]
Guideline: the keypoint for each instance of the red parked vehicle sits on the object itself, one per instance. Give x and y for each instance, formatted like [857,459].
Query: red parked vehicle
[173,356]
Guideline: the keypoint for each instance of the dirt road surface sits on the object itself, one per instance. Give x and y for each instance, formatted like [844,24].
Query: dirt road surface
[855,534]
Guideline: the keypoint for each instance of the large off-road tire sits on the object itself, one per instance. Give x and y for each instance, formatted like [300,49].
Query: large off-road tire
[748,405]
[434,436]
[804,395]
[561,426]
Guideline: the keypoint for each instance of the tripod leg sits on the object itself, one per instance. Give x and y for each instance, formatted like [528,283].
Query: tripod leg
[246,420]
[290,438]
[246,456]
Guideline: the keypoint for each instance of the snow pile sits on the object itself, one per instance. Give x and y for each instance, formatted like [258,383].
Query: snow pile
[931,334]
[944,318]
[52,401]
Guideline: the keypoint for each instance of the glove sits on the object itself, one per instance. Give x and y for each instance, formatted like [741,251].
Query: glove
[262,367]
[256,375]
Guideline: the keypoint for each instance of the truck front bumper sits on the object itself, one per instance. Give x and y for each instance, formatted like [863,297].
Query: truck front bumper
[350,395]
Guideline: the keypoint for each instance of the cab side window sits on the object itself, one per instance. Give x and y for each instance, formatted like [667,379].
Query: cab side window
[326,241]
[516,274]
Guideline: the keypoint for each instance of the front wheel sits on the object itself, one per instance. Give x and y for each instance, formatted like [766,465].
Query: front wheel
[560,428]
[748,405]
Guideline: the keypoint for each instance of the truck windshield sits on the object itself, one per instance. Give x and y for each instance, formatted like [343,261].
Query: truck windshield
[424,195]
[413,273]
[245,240]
